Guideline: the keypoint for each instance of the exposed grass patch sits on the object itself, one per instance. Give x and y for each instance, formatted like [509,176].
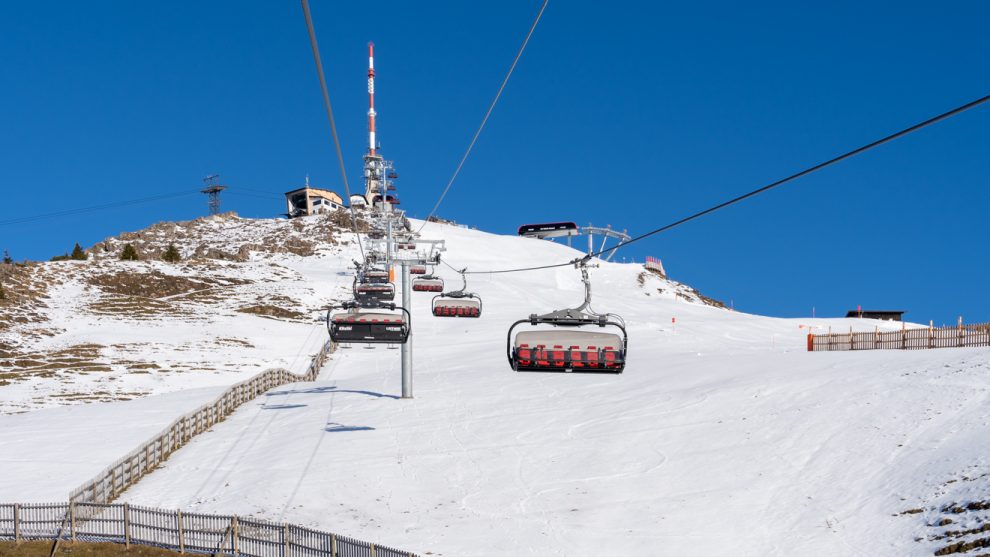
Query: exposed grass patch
[79,549]
[156,284]
[79,357]
[275,312]
[134,308]
[26,288]
[223,341]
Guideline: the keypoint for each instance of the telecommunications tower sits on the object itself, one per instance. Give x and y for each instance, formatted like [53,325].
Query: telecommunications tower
[378,172]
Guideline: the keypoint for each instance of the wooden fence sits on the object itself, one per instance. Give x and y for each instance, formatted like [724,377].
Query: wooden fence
[116,478]
[905,339]
[176,530]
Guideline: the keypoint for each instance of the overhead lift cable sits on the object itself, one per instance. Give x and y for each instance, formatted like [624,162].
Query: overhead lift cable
[484,120]
[333,125]
[80,210]
[768,187]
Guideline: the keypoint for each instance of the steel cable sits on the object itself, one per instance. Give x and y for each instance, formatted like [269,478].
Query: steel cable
[333,125]
[770,186]
[484,120]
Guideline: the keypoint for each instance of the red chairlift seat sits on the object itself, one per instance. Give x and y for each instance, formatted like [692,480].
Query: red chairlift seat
[427,283]
[569,346]
[562,350]
[446,306]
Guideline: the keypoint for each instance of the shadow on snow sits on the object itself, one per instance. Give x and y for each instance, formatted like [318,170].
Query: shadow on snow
[321,390]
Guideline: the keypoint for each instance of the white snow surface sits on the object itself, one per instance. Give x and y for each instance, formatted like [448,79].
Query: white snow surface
[723,435]
[199,337]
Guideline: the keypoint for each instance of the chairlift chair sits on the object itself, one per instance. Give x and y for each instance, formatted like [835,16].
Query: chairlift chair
[427,283]
[566,348]
[376,276]
[369,324]
[366,292]
[417,270]
[457,303]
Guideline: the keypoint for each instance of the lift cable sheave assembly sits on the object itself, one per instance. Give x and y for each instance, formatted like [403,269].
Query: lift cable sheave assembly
[569,350]
[457,303]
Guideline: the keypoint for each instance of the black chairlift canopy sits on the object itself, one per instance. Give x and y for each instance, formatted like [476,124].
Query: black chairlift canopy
[365,292]
[369,325]
[549,230]
[376,276]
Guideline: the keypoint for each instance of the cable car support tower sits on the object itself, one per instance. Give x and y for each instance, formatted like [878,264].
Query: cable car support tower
[381,199]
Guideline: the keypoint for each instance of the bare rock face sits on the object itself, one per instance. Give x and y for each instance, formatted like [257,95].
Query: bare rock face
[651,279]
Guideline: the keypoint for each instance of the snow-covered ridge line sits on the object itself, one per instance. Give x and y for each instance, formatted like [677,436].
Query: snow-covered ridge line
[125,472]
[115,522]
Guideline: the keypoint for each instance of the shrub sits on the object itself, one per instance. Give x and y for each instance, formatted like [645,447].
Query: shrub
[63,257]
[129,253]
[172,254]
[78,254]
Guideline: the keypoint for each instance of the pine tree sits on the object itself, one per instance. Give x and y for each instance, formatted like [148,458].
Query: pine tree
[7,260]
[78,254]
[129,253]
[172,254]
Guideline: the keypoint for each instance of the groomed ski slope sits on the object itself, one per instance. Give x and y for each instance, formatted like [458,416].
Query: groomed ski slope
[722,437]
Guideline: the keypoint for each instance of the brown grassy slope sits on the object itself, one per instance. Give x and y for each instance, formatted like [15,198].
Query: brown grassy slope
[79,549]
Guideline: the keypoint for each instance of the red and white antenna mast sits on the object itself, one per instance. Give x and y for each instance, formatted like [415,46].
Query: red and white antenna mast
[371,98]
[376,170]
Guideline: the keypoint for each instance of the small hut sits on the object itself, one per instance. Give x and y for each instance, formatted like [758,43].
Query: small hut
[307,201]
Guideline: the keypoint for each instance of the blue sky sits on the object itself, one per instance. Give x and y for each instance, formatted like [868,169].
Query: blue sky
[631,114]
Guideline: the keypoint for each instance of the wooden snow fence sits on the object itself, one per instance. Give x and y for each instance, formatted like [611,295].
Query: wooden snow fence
[183,532]
[906,339]
[115,479]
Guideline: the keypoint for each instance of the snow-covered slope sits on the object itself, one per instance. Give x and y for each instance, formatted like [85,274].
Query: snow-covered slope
[244,298]
[723,436]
